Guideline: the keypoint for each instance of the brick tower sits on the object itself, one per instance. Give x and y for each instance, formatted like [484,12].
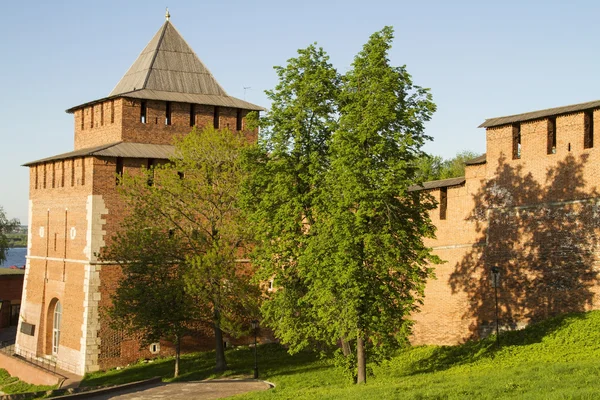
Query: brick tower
[74,206]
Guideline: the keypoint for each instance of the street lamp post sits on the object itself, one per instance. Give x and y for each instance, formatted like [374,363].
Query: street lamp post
[255,329]
[495,284]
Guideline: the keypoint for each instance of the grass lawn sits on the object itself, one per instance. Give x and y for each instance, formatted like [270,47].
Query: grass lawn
[556,359]
[11,384]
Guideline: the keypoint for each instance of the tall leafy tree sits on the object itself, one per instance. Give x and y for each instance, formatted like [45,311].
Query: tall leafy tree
[286,181]
[187,210]
[6,226]
[151,301]
[372,234]
[328,195]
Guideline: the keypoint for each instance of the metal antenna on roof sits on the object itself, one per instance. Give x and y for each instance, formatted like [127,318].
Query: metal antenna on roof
[167,15]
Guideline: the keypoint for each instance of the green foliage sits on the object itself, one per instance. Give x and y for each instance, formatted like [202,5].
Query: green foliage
[6,226]
[17,239]
[179,243]
[12,384]
[336,226]
[433,168]
[555,359]
[286,180]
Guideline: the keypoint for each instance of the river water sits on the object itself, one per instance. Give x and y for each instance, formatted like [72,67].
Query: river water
[15,256]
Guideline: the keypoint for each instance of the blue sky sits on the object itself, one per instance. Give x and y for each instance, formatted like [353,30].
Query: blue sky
[481,59]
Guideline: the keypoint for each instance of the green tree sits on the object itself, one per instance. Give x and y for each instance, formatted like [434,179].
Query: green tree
[433,168]
[187,209]
[286,180]
[339,230]
[455,167]
[372,236]
[6,226]
[151,301]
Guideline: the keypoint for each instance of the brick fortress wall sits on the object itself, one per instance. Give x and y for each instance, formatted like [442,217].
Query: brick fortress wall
[535,215]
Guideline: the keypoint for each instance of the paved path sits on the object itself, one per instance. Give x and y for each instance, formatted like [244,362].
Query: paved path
[209,389]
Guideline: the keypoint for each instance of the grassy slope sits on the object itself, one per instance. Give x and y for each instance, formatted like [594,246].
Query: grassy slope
[554,359]
[11,385]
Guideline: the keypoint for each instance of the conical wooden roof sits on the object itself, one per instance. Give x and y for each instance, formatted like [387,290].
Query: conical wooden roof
[169,64]
[169,70]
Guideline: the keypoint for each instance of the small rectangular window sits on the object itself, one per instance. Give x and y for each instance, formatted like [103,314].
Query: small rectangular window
[238,120]
[443,202]
[119,169]
[551,136]
[168,113]
[516,140]
[192,115]
[112,111]
[143,112]
[216,117]
[588,136]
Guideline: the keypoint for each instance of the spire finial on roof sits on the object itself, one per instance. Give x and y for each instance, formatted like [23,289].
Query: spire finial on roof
[167,15]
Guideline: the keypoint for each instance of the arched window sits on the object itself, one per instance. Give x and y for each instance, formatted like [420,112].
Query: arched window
[56,327]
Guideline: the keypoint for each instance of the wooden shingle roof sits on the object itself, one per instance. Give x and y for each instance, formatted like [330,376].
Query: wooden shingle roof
[169,70]
[118,149]
[438,184]
[548,112]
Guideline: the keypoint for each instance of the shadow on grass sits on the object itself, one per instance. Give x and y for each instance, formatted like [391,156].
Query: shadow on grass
[446,357]
[273,359]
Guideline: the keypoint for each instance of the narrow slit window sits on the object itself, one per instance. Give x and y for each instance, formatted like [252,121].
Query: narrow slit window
[36,175]
[516,139]
[112,111]
[82,118]
[588,138]
[150,167]
[443,202]
[44,177]
[56,327]
[82,171]
[91,116]
[238,120]
[143,112]
[216,117]
[119,169]
[168,113]
[62,173]
[73,172]
[101,114]
[551,136]
[192,115]
[53,175]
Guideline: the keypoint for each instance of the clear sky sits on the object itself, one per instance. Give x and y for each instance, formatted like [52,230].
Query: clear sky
[481,59]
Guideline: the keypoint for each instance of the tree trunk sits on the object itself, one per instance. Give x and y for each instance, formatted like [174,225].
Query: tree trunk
[361,360]
[177,355]
[221,363]
[346,349]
